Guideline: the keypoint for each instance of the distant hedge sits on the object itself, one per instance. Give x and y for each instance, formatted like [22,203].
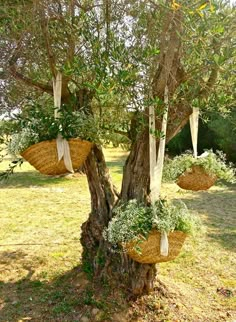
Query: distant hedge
[219,133]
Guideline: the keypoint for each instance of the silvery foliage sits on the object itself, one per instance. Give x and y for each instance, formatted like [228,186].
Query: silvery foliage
[21,141]
[134,220]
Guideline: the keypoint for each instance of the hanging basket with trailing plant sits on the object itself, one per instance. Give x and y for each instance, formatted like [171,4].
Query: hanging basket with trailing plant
[54,140]
[155,232]
[38,134]
[151,233]
[198,173]
[139,229]
[195,179]
[193,172]
[43,156]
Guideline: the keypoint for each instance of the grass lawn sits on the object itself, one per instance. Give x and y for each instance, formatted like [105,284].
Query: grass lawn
[40,274]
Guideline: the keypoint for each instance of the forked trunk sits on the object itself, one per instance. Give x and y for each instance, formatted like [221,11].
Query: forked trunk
[98,257]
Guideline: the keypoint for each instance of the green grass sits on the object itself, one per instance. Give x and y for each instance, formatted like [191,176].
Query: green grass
[40,246]
[40,274]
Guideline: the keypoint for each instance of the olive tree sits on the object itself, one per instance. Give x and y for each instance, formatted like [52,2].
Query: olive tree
[118,57]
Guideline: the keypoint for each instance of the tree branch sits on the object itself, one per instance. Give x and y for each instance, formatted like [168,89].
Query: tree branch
[28,81]
[86,7]
[209,84]
[169,71]
[206,88]
[71,41]
[51,57]
[107,19]
[12,69]
[178,118]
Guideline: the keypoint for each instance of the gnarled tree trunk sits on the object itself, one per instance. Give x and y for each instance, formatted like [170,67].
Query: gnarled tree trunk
[98,255]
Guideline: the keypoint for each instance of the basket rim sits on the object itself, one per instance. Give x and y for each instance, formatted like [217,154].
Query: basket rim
[53,141]
[196,178]
[43,156]
[154,231]
[197,167]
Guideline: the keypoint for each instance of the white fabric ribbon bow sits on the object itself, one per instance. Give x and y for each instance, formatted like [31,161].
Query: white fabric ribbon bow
[164,247]
[63,151]
[194,120]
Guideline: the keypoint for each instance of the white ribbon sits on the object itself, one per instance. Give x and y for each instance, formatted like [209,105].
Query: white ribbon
[164,247]
[156,165]
[193,120]
[63,151]
[63,148]
[57,84]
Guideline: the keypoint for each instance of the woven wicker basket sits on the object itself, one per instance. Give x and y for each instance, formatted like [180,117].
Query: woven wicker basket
[196,179]
[150,248]
[43,156]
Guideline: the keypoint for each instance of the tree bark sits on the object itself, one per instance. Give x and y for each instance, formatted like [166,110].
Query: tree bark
[103,198]
[98,257]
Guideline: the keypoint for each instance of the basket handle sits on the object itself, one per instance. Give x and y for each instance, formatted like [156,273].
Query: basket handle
[194,121]
[63,149]
[57,84]
[156,163]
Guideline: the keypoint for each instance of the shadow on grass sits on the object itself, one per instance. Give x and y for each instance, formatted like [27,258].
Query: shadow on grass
[67,297]
[30,178]
[220,210]
[117,164]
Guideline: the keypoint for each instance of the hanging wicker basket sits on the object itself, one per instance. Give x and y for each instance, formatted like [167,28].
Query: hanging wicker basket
[150,249]
[43,156]
[196,179]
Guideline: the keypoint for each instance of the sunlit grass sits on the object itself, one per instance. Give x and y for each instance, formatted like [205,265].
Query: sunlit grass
[208,260]
[40,231]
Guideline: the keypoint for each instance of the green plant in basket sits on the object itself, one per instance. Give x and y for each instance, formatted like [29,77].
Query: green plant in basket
[133,220]
[214,164]
[38,124]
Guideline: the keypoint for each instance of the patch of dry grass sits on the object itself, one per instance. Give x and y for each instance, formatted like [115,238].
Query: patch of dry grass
[40,278]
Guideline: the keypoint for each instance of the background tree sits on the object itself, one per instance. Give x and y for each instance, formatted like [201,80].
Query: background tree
[130,50]
[217,133]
